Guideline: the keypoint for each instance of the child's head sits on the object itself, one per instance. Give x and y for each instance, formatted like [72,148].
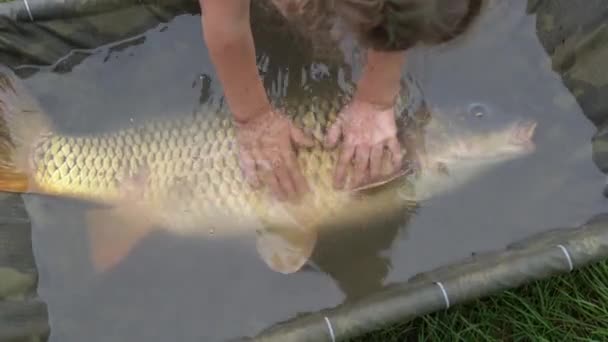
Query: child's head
[391,25]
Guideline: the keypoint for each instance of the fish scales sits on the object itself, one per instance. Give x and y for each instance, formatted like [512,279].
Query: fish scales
[182,163]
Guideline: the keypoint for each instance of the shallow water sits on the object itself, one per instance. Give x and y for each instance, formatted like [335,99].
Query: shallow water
[189,289]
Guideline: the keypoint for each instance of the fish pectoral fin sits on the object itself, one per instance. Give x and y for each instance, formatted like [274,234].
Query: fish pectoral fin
[382,183]
[286,250]
[113,233]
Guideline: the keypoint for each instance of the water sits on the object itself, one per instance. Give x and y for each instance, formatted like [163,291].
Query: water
[211,289]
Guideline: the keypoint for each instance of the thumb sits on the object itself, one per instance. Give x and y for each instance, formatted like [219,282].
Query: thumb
[299,137]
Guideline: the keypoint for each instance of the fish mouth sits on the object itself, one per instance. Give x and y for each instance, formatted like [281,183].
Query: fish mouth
[522,135]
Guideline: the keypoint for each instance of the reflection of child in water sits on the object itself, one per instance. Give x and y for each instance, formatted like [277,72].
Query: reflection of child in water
[386,28]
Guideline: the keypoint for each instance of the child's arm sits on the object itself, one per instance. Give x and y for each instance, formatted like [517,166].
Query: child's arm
[367,124]
[265,137]
[227,33]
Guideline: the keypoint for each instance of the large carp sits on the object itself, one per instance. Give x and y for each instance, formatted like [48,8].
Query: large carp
[182,175]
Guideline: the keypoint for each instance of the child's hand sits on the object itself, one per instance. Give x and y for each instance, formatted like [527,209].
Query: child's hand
[267,156]
[366,130]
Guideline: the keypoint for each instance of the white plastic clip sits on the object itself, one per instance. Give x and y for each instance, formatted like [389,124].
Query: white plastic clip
[445,294]
[570,264]
[29,12]
[331,329]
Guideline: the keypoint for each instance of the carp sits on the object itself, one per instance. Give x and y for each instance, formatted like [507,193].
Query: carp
[181,174]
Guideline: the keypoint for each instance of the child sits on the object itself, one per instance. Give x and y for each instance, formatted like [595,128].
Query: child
[385,28]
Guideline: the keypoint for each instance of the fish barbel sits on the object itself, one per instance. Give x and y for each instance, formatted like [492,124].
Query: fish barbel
[183,174]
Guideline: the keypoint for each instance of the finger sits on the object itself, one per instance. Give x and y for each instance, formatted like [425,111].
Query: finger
[248,168]
[267,176]
[417,161]
[375,161]
[293,169]
[333,134]
[300,138]
[346,155]
[395,148]
[283,177]
[361,170]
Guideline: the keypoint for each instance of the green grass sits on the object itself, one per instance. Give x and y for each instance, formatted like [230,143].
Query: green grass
[571,307]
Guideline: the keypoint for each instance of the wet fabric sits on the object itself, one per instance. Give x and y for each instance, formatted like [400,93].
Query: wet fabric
[23,316]
[40,10]
[30,45]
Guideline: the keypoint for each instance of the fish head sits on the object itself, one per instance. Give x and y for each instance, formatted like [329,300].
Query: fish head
[521,137]
[453,162]
[514,141]
[517,140]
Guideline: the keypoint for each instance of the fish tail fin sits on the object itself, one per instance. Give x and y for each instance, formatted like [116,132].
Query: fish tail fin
[22,123]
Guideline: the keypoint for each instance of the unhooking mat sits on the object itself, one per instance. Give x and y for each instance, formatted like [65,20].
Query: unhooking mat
[23,316]
[573,32]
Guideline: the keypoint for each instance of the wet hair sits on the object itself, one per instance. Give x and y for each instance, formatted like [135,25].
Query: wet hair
[392,25]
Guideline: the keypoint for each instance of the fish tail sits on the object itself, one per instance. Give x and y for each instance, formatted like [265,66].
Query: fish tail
[22,123]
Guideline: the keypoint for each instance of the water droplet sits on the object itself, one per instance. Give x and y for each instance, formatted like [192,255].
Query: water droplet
[478,110]
[132,120]
[211,231]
